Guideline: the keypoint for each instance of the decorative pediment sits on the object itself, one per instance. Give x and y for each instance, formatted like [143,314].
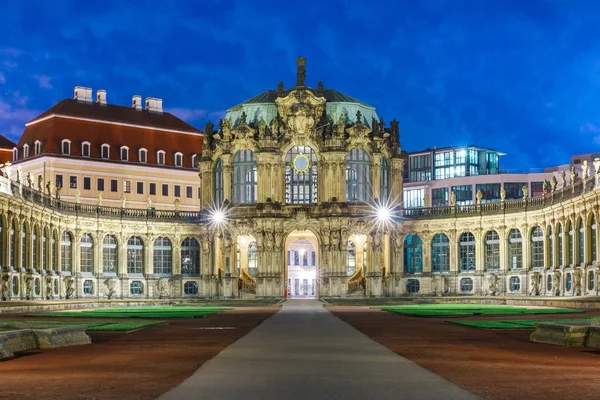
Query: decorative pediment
[358,136]
[243,137]
[300,111]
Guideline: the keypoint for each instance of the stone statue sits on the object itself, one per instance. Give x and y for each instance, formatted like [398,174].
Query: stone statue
[77,194]
[381,125]
[556,283]
[123,201]
[584,170]
[8,169]
[525,190]
[208,133]
[243,117]
[29,287]
[69,287]
[320,86]
[577,282]
[493,280]
[163,287]
[301,71]
[502,194]
[280,89]
[110,287]
[341,125]
[563,179]
[553,183]
[545,187]
[177,202]
[99,199]
[536,283]
[19,175]
[30,179]
[4,290]
[596,165]
[359,117]
[573,175]
[226,130]
[262,127]
[49,294]
[41,183]
[148,202]
[57,192]
[479,196]
[453,199]
[426,201]
[395,129]
[275,126]
[49,188]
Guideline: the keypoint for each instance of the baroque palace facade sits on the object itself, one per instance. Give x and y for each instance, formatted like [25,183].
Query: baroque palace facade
[300,177]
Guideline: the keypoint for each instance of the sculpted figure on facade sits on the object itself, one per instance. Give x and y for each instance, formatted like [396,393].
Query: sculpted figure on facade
[99,199]
[573,175]
[545,187]
[584,170]
[110,284]
[29,179]
[69,285]
[57,192]
[4,289]
[553,183]
[577,277]
[341,126]
[29,287]
[49,188]
[493,281]
[163,287]
[453,198]
[49,283]
[556,283]
[41,183]
[19,175]
[563,179]
[536,283]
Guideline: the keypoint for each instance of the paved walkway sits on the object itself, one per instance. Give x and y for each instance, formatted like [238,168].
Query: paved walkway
[304,352]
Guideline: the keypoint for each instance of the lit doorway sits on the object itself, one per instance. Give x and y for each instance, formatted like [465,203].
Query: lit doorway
[302,259]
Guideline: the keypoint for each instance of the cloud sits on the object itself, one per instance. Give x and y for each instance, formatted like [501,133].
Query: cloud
[43,81]
[2,78]
[10,64]
[588,127]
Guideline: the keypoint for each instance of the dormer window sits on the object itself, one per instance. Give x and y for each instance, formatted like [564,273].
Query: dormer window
[15,154]
[178,159]
[66,147]
[124,153]
[105,151]
[194,157]
[143,155]
[160,157]
[25,150]
[37,147]
[85,149]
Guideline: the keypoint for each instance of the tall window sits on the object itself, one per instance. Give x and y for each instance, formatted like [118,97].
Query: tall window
[439,197]
[143,155]
[559,245]
[13,245]
[37,147]
[24,247]
[440,253]
[218,182]
[124,153]
[190,257]
[110,254]
[593,240]
[66,263]
[537,247]
[413,254]
[350,258]
[135,255]
[162,256]
[358,176]
[160,157]
[105,150]
[515,249]
[581,242]
[244,177]
[44,250]
[252,259]
[66,147]
[550,246]
[570,235]
[25,150]
[53,242]
[466,246]
[492,250]
[178,159]
[34,248]
[85,149]
[385,179]
[87,253]
[301,176]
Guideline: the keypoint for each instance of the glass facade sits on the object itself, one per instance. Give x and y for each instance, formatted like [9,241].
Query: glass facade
[439,197]
[440,253]
[245,177]
[464,194]
[413,254]
[414,198]
[420,168]
[358,171]
[490,191]
[514,190]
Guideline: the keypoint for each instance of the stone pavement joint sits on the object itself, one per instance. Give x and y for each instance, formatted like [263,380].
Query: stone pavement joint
[304,352]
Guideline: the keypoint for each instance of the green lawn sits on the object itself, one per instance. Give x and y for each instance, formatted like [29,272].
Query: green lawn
[154,312]
[515,324]
[463,310]
[122,326]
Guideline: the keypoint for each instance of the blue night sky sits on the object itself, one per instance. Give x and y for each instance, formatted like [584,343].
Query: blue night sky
[519,76]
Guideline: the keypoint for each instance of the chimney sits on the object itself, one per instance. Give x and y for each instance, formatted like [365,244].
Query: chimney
[136,102]
[154,105]
[83,94]
[101,97]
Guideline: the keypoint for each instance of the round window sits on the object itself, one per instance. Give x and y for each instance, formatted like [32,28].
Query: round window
[466,285]
[413,286]
[190,288]
[136,288]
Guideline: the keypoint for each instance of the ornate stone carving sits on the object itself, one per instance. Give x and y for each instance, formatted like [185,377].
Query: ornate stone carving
[69,284]
[358,135]
[30,179]
[164,287]
[556,283]
[536,283]
[493,281]
[553,183]
[577,277]
[300,110]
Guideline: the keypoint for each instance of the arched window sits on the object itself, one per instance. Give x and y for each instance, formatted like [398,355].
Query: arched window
[190,257]
[37,147]
[110,254]
[53,243]
[515,249]
[25,150]
[581,242]
[160,157]
[34,248]
[143,155]
[13,245]
[105,151]
[592,243]
[559,245]
[66,147]
[515,284]
[44,250]
[252,259]
[15,156]
[24,247]
[537,247]
[301,180]
[550,246]
[218,182]
[440,253]
[492,250]
[385,179]
[85,149]
[358,176]
[135,255]
[244,177]
[413,254]
[570,235]
[466,246]
[178,159]
[195,161]
[162,256]
[350,258]
[87,253]
[124,153]
[66,263]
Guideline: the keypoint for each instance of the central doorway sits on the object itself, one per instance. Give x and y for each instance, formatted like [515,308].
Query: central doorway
[302,260]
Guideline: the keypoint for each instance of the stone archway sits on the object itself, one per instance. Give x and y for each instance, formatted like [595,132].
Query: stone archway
[301,265]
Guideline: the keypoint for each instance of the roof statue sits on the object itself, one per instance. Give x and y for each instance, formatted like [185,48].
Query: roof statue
[301,71]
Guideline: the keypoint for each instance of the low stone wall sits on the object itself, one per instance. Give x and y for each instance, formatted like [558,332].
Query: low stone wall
[593,337]
[580,302]
[572,335]
[18,337]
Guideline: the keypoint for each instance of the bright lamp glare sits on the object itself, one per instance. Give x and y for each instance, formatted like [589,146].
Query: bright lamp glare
[383,214]
[218,217]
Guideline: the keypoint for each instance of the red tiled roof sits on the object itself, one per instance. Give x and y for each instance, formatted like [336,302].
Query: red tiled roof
[148,133]
[6,143]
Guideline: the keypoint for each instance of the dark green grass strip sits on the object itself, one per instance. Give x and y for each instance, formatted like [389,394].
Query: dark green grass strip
[124,326]
[153,315]
[461,310]
[515,324]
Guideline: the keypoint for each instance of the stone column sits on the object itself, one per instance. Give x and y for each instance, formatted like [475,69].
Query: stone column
[503,249]
[76,252]
[525,247]
[227,177]
[176,256]
[148,256]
